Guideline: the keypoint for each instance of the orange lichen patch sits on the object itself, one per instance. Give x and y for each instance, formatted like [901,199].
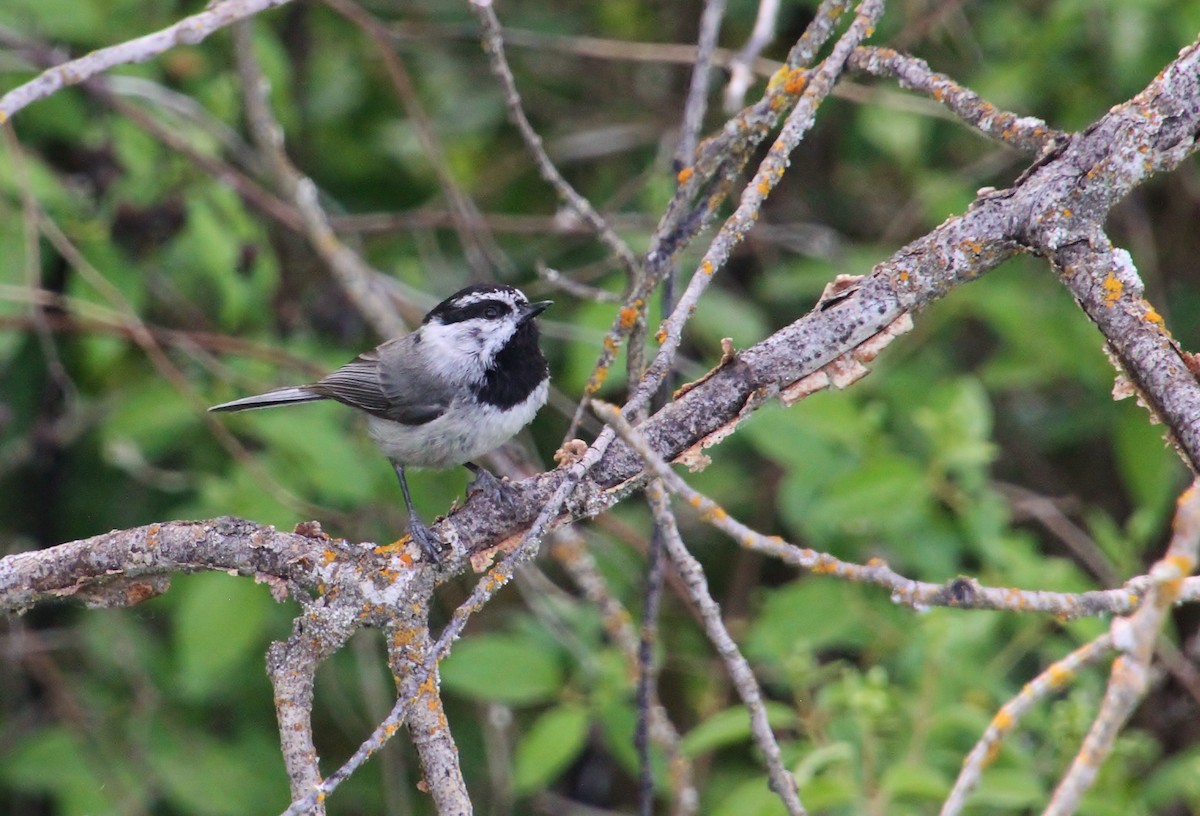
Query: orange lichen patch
[395,548]
[696,501]
[707,267]
[403,637]
[1154,317]
[824,566]
[597,380]
[764,189]
[1059,677]
[974,247]
[389,575]
[714,514]
[328,556]
[610,344]
[877,563]
[1003,721]
[661,336]
[1112,290]
[1066,212]
[685,175]
[1181,562]
[903,276]
[795,81]
[778,78]
[629,314]
[1169,590]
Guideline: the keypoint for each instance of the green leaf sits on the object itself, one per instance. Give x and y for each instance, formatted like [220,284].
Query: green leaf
[549,746]
[888,496]
[1177,780]
[721,313]
[56,762]
[732,726]
[915,783]
[220,622]
[957,421]
[751,798]
[503,668]
[1150,471]
[901,135]
[1009,789]
[210,777]
[618,721]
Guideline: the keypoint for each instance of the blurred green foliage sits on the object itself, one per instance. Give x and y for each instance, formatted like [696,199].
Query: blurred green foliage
[165,708]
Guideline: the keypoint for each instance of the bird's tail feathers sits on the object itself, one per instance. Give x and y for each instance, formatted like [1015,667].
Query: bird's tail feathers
[280,396]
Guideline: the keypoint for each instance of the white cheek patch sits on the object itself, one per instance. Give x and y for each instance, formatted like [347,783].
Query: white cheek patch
[463,351]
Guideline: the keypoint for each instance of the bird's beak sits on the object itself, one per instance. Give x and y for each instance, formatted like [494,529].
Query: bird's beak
[531,310]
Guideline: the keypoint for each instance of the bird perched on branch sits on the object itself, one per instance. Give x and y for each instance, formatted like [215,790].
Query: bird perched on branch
[458,387]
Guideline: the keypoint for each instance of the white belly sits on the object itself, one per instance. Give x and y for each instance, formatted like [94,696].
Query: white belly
[455,437]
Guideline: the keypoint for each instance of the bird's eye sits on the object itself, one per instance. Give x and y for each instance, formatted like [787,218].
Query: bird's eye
[491,312]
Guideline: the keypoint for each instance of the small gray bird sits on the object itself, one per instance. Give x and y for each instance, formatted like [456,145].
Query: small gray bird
[461,385]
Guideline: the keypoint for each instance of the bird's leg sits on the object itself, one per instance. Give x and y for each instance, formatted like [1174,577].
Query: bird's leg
[421,534]
[487,484]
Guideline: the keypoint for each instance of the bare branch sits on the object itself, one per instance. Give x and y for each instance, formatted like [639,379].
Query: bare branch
[959,592]
[188,31]
[697,97]
[1135,636]
[493,44]
[741,74]
[1050,681]
[360,282]
[1025,133]
[783,783]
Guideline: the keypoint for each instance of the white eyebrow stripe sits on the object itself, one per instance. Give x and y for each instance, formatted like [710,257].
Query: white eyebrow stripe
[504,295]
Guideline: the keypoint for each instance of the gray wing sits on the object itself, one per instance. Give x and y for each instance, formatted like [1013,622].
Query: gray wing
[388,383]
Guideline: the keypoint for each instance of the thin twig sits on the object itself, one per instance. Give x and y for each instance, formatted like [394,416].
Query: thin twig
[647,680]
[697,98]
[482,252]
[1135,637]
[493,45]
[702,188]
[188,31]
[961,593]
[1051,681]
[817,86]
[570,550]
[741,71]
[782,781]
[355,276]
[1028,134]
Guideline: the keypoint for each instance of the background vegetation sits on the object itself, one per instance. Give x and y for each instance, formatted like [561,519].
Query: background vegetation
[986,442]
